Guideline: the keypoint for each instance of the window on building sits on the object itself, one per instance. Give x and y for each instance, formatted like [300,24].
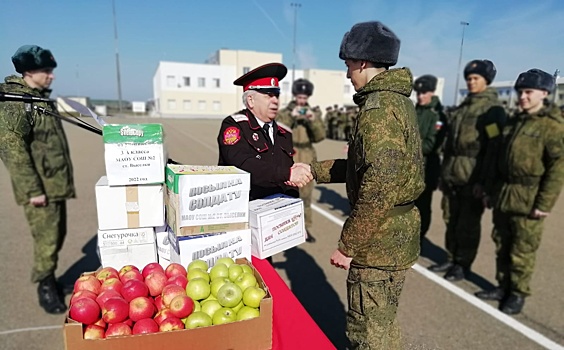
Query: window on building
[285,86]
[202,105]
[561,98]
[217,106]
[246,70]
[171,104]
[186,81]
[201,82]
[216,83]
[170,81]
[347,89]
[187,105]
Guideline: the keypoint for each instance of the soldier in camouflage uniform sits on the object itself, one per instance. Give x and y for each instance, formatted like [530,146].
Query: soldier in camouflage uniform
[335,123]
[473,127]
[430,119]
[523,191]
[307,128]
[34,149]
[384,176]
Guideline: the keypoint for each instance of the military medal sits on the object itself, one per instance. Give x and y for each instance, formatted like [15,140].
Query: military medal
[255,136]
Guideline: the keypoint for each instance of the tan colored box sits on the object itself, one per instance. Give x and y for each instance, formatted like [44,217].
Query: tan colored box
[253,334]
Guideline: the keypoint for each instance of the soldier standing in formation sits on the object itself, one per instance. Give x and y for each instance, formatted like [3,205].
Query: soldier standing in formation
[523,191]
[384,176]
[473,127]
[34,149]
[307,128]
[431,120]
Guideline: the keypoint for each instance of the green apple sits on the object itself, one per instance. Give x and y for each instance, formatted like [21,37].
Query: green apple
[210,297]
[198,264]
[219,270]
[246,280]
[197,319]
[217,283]
[211,307]
[226,261]
[224,315]
[229,295]
[197,306]
[238,306]
[247,313]
[198,273]
[198,289]
[234,272]
[246,268]
[252,296]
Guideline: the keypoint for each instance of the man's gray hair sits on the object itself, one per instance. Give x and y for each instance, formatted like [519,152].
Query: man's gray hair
[247,94]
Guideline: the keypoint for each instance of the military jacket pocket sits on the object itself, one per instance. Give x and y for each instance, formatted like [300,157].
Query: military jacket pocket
[462,169]
[52,164]
[289,152]
[517,199]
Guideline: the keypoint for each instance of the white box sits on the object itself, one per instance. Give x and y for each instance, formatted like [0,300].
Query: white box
[130,246]
[133,206]
[163,244]
[277,224]
[206,195]
[134,154]
[234,244]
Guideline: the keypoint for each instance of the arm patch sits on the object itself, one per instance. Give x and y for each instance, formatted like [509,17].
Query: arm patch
[231,135]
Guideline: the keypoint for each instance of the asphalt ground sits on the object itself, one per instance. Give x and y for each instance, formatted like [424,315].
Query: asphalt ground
[433,313]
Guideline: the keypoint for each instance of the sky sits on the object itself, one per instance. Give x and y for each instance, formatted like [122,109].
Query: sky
[515,35]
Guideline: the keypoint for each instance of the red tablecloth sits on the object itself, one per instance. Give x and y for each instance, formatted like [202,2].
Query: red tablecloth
[292,327]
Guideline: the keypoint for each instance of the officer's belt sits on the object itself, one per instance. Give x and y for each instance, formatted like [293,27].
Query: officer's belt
[400,209]
[302,144]
[524,180]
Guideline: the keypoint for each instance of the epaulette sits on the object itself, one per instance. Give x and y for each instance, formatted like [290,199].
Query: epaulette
[372,101]
[240,118]
[284,127]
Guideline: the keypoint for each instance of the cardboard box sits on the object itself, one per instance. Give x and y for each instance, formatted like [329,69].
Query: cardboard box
[206,195]
[163,245]
[133,206]
[210,247]
[253,334]
[277,224]
[134,154]
[130,246]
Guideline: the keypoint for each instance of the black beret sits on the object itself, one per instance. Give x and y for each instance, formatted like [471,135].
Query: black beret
[370,41]
[302,86]
[425,83]
[535,79]
[32,57]
[485,68]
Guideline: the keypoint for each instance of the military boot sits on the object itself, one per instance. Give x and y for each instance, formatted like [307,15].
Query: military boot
[49,297]
[456,273]
[310,238]
[441,267]
[513,305]
[492,294]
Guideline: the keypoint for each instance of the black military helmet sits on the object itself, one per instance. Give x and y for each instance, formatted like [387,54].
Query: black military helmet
[372,42]
[32,57]
[535,79]
[484,68]
[425,83]
[302,87]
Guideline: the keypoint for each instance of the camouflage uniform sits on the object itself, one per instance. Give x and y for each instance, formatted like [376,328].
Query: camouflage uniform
[530,176]
[474,126]
[305,133]
[34,149]
[383,175]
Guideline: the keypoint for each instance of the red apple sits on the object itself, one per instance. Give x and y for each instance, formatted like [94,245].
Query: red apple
[133,289]
[150,267]
[94,332]
[100,323]
[179,280]
[156,282]
[170,291]
[83,294]
[105,295]
[171,324]
[131,275]
[182,306]
[127,268]
[146,325]
[107,272]
[85,311]
[159,303]
[175,269]
[115,310]
[140,308]
[88,282]
[162,315]
[128,322]
[118,329]
[111,283]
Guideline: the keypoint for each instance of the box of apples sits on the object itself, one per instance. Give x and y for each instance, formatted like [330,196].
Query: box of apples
[177,307]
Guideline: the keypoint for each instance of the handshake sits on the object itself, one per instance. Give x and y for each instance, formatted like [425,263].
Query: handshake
[300,175]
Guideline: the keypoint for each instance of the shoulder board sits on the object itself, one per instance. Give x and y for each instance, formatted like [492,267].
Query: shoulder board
[284,127]
[372,101]
[240,118]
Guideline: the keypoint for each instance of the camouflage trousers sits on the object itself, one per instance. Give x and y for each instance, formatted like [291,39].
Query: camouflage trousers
[373,298]
[517,239]
[305,195]
[48,227]
[423,203]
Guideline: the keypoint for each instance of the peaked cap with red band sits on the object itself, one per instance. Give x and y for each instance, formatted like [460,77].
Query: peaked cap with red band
[265,77]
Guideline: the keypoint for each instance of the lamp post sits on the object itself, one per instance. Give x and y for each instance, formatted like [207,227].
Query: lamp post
[295,6]
[117,56]
[464,25]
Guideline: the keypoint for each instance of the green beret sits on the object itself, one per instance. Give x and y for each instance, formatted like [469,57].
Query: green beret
[32,57]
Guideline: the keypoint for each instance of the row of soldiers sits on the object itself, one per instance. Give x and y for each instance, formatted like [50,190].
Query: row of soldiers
[339,122]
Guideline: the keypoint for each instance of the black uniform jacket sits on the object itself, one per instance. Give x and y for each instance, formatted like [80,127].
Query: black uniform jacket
[244,144]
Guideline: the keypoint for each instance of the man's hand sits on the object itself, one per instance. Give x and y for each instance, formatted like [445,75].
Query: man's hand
[340,260]
[537,214]
[39,201]
[300,175]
